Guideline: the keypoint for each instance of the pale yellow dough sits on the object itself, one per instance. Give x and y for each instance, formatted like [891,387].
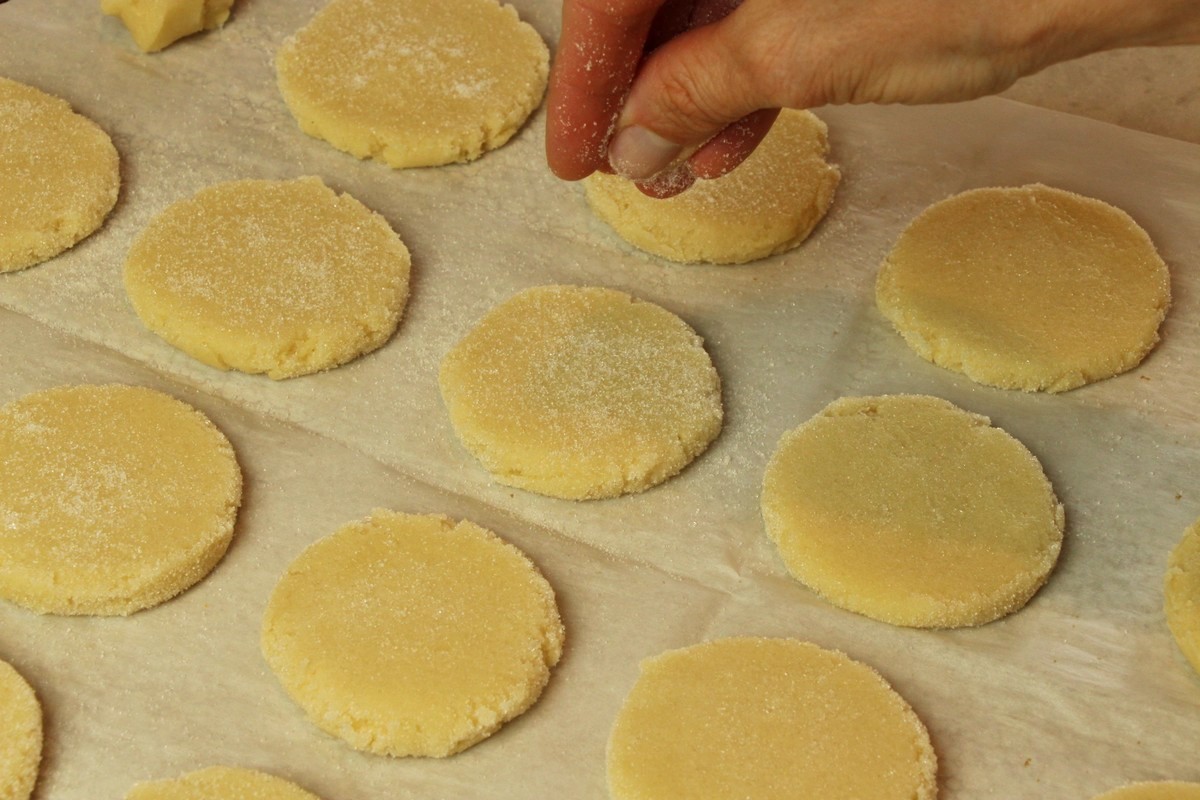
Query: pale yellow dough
[20,735]
[220,783]
[112,499]
[281,277]
[766,719]
[1156,790]
[413,83]
[155,24]
[581,392]
[1028,288]
[769,204]
[1182,594]
[412,635]
[59,176]
[912,511]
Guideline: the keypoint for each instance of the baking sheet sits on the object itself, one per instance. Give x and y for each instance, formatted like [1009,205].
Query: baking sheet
[1079,692]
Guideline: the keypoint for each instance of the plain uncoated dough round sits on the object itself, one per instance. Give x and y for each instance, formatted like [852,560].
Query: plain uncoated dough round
[20,735]
[912,511]
[411,635]
[769,204]
[1028,288]
[1182,595]
[413,83]
[112,499]
[220,783]
[282,277]
[581,392]
[1154,790]
[766,719]
[59,176]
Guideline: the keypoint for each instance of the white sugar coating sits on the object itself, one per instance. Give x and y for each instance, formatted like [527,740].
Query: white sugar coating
[582,392]
[112,499]
[1027,287]
[912,511]
[1181,593]
[59,176]
[155,24]
[20,735]
[413,83]
[278,277]
[767,719]
[769,204]
[412,635]
[1154,790]
[220,783]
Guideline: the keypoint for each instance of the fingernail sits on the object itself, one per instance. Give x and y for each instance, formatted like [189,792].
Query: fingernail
[637,153]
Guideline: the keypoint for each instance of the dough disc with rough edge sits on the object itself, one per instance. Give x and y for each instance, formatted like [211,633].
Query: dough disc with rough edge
[769,204]
[1027,287]
[767,719]
[581,392]
[1154,790]
[112,499]
[411,635]
[20,735]
[1182,595]
[282,277]
[59,176]
[220,783]
[912,511]
[413,83]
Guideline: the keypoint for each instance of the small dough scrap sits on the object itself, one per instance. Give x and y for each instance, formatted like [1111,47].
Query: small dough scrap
[1182,595]
[20,735]
[59,176]
[412,635]
[282,277]
[582,393]
[909,510]
[1027,287]
[112,499]
[769,204]
[220,783]
[413,83]
[767,719]
[155,24]
[1154,790]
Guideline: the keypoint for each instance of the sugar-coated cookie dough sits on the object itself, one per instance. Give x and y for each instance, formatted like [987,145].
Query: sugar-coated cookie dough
[767,205]
[59,176]
[912,511]
[20,735]
[1155,790]
[413,83]
[112,499]
[581,392]
[1182,594]
[220,783]
[411,635]
[766,719]
[281,277]
[1027,287]
[155,24]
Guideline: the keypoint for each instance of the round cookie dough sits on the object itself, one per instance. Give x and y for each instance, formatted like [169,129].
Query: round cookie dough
[910,510]
[112,499]
[581,392]
[1155,790]
[59,176]
[767,719]
[20,735]
[413,83]
[1182,595]
[220,783]
[462,625]
[1028,288]
[281,277]
[769,204]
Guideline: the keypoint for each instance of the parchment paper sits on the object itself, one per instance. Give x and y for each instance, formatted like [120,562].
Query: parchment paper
[1079,692]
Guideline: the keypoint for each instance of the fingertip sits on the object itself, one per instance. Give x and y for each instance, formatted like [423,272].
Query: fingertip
[733,145]
[668,183]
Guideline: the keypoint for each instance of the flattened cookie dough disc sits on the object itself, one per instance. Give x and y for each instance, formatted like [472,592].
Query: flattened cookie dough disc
[766,719]
[1182,594]
[582,393]
[20,735]
[1155,790]
[412,635]
[912,511]
[281,277]
[220,783]
[58,176]
[413,83]
[1027,288]
[112,499]
[767,205]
